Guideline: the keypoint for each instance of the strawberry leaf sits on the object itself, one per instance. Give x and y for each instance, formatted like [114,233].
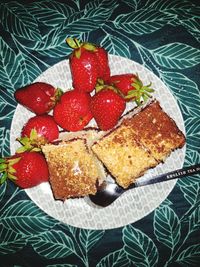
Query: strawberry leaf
[3,167]
[89,47]
[3,177]
[11,162]
[58,94]
[78,53]
[73,43]
[11,177]
[2,160]
[21,149]
[33,135]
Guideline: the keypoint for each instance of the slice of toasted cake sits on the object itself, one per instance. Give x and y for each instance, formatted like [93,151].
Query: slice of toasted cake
[73,170]
[141,141]
[156,130]
[123,156]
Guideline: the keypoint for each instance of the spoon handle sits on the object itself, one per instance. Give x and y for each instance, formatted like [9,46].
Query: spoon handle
[109,192]
[180,173]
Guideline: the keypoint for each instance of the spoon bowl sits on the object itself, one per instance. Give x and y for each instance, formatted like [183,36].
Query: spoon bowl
[107,193]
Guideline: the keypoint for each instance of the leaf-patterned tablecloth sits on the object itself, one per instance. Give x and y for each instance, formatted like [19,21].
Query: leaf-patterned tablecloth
[164,36]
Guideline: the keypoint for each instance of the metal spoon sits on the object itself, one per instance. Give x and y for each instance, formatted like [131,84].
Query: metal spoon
[108,192]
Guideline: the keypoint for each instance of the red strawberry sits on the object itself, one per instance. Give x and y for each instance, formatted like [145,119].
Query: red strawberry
[38,130]
[72,112]
[107,106]
[131,87]
[83,66]
[103,64]
[38,97]
[25,169]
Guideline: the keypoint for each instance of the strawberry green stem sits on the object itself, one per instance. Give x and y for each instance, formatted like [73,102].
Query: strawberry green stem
[101,85]
[77,45]
[3,178]
[140,93]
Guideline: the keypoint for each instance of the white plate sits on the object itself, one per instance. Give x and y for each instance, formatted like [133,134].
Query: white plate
[132,205]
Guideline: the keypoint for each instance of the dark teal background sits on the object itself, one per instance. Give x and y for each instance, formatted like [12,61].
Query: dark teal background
[162,35]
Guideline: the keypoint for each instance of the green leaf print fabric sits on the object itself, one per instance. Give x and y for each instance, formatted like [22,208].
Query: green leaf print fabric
[164,37]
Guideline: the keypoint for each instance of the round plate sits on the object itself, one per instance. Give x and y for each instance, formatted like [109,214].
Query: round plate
[132,205]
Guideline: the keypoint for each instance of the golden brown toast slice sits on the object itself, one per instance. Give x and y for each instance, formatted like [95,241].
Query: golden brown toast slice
[123,156]
[73,171]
